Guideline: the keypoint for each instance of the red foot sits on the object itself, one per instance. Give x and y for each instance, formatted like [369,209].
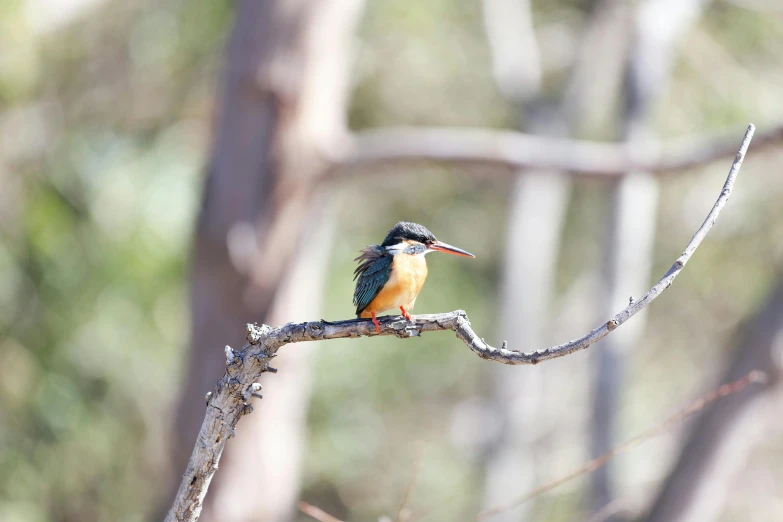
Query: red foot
[405,314]
[376,323]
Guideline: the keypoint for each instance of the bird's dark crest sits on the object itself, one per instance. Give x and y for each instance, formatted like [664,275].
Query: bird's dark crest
[405,230]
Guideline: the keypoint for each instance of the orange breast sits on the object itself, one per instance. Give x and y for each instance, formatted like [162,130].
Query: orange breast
[407,278]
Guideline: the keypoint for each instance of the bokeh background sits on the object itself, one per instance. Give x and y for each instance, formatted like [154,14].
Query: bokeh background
[170,170]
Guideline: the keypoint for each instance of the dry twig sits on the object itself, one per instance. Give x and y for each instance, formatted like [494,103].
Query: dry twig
[317,513]
[403,514]
[725,390]
[231,397]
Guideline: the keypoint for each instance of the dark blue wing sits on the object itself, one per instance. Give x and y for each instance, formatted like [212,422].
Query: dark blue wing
[373,272]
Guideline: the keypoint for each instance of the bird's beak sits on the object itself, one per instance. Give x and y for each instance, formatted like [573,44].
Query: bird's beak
[448,249]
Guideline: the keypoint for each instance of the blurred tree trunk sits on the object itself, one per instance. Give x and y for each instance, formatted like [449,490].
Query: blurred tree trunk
[726,432]
[659,27]
[280,116]
[538,208]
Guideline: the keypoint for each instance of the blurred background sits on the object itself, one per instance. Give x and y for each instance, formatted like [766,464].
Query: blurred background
[171,170]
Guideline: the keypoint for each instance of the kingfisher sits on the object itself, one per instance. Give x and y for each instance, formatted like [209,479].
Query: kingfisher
[391,275]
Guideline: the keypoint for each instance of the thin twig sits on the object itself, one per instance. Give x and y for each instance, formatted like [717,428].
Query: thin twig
[317,513]
[516,150]
[402,513]
[723,391]
[613,508]
[231,397]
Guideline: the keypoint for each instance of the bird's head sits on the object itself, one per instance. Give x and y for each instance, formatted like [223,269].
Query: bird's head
[414,239]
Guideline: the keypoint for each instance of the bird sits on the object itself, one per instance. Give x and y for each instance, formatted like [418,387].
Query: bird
[391,275]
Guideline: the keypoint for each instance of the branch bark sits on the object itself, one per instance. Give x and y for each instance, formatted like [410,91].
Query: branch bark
[231,397]
[517,150]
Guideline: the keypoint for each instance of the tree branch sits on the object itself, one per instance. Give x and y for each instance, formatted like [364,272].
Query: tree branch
[232,395]
[317,513]
[754,376]
[517,150]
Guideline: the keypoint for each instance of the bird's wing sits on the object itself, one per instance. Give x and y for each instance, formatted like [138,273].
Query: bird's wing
[373,272]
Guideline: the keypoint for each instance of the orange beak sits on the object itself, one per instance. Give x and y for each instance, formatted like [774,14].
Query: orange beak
[448,249]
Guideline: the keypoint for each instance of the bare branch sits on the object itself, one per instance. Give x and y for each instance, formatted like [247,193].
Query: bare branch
[403,513]
[517,150]
[723,391]
[317,513]
[232,395]
[719,444]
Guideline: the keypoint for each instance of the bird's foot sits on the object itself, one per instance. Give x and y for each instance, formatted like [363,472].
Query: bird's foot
[376,323]
[405,314]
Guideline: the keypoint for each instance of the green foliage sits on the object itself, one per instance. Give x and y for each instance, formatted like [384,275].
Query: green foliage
[93,243]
